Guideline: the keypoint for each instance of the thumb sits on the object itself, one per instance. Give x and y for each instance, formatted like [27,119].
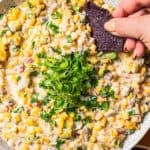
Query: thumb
[125,27]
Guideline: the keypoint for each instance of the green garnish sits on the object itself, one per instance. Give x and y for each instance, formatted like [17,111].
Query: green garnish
[18,109]
[56,50]
[54,28]
[59,142]
[1,16]
[91,103]
[45,116]
[132,112]
[33,73]
[35,98]
[129,132]
[76,9]
[16,48]
[68,79]
[106,91]
[2,32]
[77,117]
[56,15]
[87,120]
[104,73]
[41,55]
[33,44]
[29,4]
[111,56]
[18,78]
[105,106]
[69,38]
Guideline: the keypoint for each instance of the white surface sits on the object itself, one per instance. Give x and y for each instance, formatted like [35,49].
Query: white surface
[133,139]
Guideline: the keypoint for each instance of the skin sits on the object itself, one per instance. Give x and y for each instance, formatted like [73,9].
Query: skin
[132,20]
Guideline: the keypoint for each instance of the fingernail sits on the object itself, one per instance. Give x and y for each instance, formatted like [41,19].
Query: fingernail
[110,26]
[125,49]
[134,55]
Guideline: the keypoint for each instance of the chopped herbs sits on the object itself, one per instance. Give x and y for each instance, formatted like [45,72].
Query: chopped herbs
[2,32]
[67,80]
[41,55]
[33,73]
[76,9]
[104,73]
[77,117]
[56,15]
[69,38]
[129,132]
[1,16]
[105,106]
[35,98]
[18,78]
[33,44]
[16,48]
[45,116]
[29,4]
[132,112]
[87,120]
[56,50]
[110,56]
[91,103]
[106,91]
[18,109]
[59,142]
[54,28]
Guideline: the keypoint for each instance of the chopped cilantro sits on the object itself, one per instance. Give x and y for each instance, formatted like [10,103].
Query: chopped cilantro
[29,4]
[35,98]
[33,73]
[77,117]
[68,79]
[129,132]
[76,9]
[18,78]
[91,103]
[54,28]
[33,44]
[16,48]
[111,56]
[105,106]
[41,55]
[104,73]
[87,120]
[106,91]
[18,109]
[59,142]
[1,16]
[56,50]
[132,112]
[56,15]
[45,116]
[2,32]
[69,38]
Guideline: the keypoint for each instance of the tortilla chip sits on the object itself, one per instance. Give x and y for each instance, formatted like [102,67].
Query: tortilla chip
[96,17]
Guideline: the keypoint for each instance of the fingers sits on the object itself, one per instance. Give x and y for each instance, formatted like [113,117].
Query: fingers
[129,45]
[125,27]
[141,12]
[127,7]
[139,50]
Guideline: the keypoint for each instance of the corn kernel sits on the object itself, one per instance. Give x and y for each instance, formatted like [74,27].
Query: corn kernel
[35,112]
[3,54]
[14,14]
[30,122]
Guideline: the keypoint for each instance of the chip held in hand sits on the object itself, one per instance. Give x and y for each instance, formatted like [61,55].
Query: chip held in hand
[97,17]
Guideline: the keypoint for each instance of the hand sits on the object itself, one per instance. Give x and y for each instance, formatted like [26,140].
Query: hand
[135,26]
